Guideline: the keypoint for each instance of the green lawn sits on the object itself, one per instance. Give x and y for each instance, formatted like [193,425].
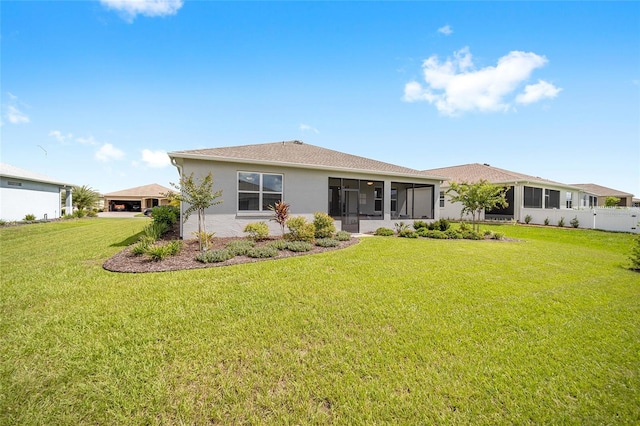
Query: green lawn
[392,330]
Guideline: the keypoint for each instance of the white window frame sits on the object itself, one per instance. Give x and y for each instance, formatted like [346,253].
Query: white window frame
[260,191]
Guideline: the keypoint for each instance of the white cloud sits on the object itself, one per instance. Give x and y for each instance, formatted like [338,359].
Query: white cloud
[446,30]
[108,152]
[536,92]
[155,159]
[129,9]
[57,134]
[307,128]
[456,86]
[15,116]
[90,140]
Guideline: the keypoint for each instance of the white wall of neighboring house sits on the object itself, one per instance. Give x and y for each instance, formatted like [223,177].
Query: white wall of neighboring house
[39,199]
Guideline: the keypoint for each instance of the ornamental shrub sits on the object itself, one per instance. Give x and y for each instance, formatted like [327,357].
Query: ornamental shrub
[263,252]
[407,233]
[498,236]
[472,235]
[240,247]
[420,224]
[155,229]
[214,256]
[635,254]
[323,224]
[436,234]
[546,221]
[300,229]
[527,219]
[158,252]
[29,217]
[441,225]
[400,226]
[343,236]
[384,232]
[165,214]
[257,231]
[453,234]
[464,226]
[278,244]
[299,246]
[575,222]
[561,222]
[327,242]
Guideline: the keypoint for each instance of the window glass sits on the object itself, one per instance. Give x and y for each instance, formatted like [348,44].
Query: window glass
[248,181]
[272,183]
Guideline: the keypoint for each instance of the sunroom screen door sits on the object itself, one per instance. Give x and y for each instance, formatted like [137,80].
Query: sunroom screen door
[351,211]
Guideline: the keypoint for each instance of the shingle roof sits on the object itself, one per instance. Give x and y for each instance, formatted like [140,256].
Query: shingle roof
[602,191]
[18,173]
[475,172]
[298,154]
[148,191]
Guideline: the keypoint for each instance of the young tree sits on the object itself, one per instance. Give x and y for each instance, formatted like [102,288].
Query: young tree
[84,197]
[476,197]
[611,201]
[199,197]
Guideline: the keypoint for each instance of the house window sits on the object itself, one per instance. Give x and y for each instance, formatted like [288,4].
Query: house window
[258,191]
[441,198]
[532,197]
[569,200]
[394,201]
[551,199]
[14,183]
[377,199]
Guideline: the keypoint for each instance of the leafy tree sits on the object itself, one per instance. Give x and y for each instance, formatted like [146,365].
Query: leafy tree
[611,201]
[84,197]
[476,197]
[199,197]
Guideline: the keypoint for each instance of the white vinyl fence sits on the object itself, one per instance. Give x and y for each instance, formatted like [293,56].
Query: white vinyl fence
[619,219]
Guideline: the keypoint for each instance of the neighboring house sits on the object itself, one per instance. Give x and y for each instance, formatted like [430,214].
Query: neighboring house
[601,193]
[635,202]
[23,192]
[136,199]
[359,193]
[525,193]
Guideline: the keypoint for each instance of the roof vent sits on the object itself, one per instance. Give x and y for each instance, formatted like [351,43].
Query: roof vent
[297,142]
[487,164]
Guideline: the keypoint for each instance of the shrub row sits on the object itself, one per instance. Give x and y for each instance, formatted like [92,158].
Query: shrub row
[271,249]
[449,233]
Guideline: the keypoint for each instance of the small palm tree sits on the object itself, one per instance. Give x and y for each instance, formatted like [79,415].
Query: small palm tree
[84,197]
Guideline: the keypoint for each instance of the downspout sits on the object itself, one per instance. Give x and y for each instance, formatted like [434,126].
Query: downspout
[179,167]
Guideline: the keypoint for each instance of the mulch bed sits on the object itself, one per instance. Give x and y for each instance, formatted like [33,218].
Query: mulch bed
[125,261]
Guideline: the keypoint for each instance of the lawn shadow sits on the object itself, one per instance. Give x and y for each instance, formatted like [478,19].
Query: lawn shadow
[128,241]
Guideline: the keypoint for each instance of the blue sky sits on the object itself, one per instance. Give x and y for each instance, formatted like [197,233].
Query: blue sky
[96,92]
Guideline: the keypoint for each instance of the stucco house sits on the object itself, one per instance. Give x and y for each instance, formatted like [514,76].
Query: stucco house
[136,199]
[525,193]
[601,193]
[361,194]
[23,192]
